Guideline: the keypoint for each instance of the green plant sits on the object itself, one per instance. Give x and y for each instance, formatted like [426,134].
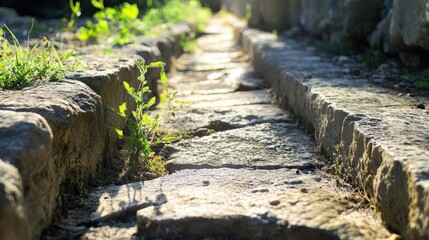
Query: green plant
[76,12]
[141,127]
[20,66]
[118,25]
[421,79]
[188,43]
[174,11]
[121,24]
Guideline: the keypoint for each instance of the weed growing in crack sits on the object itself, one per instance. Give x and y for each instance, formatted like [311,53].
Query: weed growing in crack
[141,130]
[20,66]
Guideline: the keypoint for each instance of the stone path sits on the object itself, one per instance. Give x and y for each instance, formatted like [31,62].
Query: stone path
[249,172]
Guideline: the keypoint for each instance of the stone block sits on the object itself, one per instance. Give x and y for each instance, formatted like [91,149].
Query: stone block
[105,76]
[26,144]
[74,114]
[13,219]
[409,23]
[335,20]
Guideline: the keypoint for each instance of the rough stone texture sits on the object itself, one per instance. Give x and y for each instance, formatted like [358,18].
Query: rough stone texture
[382,137]
[105,76]
[277,14]
[359,19]
[247,204]
[238,7]
[229,203]
[320,18]
[13,219]
[222,81]
[244,204]
[263,146]
[381,38]
[206,120]
[410,22]
[75,116]
[336,20]
[26,143]
[408,30]
[229,99]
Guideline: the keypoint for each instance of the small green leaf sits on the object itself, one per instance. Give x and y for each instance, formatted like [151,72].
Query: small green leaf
[98,4]
[147,120]
[156,64]
[120,133]
[163,79]
[151,102]
[67,55]
[162,98]
[129,89]
[123,109]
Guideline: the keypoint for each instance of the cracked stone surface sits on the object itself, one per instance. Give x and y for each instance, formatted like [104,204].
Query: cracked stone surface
[259,204]
[263,146]
[223,118]
[233,203]
[382,133]
[247,171]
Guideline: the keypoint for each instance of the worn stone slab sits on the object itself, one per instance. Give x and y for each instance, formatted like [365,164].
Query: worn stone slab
[105,75]
[228,99]
[13,216]
[217,82]
[223,42]
[75,116]
[262,146]
[245,204]
[26,147]
[202,120]
[381,138]
[228,203]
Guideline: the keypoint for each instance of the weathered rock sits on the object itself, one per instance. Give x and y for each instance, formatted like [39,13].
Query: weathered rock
[338,21]
[26,143]
[263,146]
[226,81]
[13,219]
[278,14]
[249,204]
[382,137]
[105,76]
[229,99]
[204,120]
[75,116]
[238,7]
[246,204]
[409,22]
[320,18]
[217,43]
[381,39]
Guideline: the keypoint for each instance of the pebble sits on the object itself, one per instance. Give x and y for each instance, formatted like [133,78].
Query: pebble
[274,202]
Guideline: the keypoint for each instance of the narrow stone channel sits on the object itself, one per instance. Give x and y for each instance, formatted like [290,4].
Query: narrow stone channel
[249,172]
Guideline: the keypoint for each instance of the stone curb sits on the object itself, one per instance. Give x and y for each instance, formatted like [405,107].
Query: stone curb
[76,116]
[376,138]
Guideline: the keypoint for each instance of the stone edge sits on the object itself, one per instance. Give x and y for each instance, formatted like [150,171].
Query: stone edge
[172,49]
[321,116]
